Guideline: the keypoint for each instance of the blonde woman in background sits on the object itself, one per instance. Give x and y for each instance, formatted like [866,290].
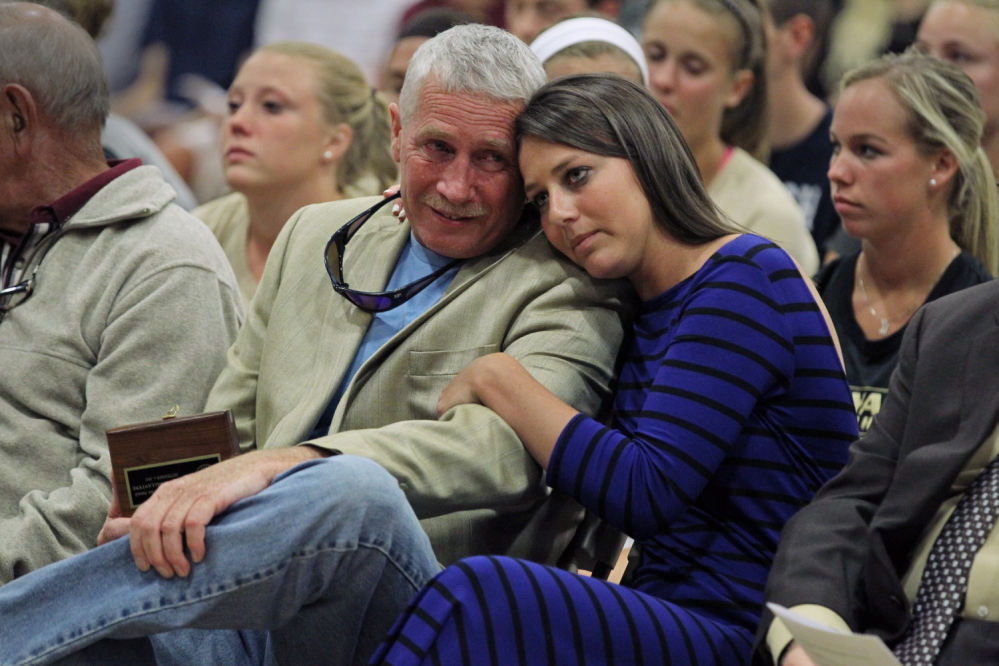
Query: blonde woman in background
[706,62]
[966,33]
[303,127]
[910,180]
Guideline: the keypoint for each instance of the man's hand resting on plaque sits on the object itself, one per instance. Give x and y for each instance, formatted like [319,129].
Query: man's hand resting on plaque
[179,510]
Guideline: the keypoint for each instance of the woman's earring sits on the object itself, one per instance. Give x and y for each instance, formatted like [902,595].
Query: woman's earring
[933,182]
[328,155]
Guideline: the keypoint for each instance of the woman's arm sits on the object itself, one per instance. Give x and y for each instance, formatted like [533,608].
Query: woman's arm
[500,383]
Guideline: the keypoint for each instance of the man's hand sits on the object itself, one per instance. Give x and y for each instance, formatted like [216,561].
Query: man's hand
[115,526]
[180,510]
[795,656]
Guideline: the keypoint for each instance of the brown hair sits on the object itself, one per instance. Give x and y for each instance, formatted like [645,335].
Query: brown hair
[608,115]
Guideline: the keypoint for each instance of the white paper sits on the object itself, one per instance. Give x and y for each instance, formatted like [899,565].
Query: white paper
[831,647]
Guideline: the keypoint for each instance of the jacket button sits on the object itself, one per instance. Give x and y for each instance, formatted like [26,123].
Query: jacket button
[404,487]
[896,600]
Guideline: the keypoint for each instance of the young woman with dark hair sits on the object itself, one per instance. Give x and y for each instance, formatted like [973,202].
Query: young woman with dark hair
[732,409]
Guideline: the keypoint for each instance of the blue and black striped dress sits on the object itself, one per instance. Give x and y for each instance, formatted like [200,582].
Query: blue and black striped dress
[732,410]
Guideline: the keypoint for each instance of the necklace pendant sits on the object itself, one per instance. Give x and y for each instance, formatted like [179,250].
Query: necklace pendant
[883,328]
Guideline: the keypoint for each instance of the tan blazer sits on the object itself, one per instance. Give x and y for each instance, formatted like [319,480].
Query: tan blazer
[467,475]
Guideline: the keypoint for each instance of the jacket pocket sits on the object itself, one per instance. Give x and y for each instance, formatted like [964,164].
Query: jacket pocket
[445,363]
[431,371]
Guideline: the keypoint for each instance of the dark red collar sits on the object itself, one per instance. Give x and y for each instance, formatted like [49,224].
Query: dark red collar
[62,208]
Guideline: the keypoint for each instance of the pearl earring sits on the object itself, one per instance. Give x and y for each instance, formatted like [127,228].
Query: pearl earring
[933,182]
[328,155]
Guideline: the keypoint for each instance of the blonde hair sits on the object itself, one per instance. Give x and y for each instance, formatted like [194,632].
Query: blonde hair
[746,125]
[943,110]
[345,97]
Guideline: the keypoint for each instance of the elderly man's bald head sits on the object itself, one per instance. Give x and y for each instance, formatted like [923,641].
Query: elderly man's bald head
[58,63]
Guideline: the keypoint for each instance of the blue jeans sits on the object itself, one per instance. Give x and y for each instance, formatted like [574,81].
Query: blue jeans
[315,569]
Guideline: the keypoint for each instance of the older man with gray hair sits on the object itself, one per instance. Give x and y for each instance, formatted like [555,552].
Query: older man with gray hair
[114,303]
[308,553]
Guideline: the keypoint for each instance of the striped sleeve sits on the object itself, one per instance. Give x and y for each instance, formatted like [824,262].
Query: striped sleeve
[729,349]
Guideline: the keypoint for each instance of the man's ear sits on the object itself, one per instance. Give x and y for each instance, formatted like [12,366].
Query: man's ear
[396,132]
[18,115]
[799,30]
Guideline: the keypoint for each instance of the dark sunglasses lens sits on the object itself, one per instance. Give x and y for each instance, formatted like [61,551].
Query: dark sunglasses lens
[368,302]
[358,222]
[12,297]
[335,267]
[334,250]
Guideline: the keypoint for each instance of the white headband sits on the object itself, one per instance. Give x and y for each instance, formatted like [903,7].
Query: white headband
[578,30]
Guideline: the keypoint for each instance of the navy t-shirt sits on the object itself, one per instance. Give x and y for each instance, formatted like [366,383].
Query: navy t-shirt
[803,169]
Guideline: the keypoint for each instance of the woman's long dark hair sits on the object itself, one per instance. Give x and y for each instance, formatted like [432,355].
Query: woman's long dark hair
[608,115]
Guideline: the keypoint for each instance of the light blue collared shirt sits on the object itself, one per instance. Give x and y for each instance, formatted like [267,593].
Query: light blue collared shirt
[415,262]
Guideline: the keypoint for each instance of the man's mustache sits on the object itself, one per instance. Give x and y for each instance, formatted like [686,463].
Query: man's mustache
[442,205]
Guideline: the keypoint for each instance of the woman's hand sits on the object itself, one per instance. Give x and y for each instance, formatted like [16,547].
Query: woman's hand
[397,208]
[501,383]
[463,388]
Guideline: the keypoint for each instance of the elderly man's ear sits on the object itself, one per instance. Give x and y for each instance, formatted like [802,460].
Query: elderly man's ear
[18,114]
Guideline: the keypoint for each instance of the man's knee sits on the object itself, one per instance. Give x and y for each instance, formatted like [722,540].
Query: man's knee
[345,498]
[339,479]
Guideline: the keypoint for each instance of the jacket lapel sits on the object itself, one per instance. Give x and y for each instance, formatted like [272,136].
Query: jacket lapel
[926,476]
[368,263]
[930,469]
[981,386]
[471,271]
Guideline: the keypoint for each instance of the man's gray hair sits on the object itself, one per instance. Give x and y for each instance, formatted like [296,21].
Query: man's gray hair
[58,63]
[473,59]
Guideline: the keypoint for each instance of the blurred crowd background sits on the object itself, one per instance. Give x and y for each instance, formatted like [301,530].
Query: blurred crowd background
[170,61]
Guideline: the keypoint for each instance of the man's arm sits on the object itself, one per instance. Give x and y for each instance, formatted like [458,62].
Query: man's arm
[566,335]
[567,338]
[825,545]
[164,524]
[795,656]
[177,513]
[164,343]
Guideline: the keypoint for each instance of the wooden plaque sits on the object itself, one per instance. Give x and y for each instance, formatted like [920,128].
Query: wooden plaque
[145,455]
